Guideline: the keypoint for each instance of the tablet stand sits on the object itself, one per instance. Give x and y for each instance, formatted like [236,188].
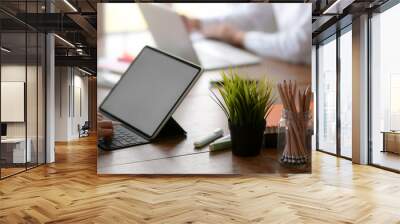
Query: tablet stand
[171,129]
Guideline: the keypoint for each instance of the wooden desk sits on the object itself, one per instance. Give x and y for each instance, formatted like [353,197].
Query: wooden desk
[391,141]
[199,115]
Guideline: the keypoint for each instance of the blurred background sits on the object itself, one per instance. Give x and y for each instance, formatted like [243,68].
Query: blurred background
[115,37]
[119,42]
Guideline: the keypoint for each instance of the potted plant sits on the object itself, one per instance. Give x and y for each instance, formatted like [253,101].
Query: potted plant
[246,103]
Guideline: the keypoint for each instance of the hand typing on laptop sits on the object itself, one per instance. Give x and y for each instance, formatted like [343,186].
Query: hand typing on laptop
[222,31]
[281,31]
[105,128]
[226,33]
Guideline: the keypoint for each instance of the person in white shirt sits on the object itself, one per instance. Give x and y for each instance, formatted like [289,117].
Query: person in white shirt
[277,30]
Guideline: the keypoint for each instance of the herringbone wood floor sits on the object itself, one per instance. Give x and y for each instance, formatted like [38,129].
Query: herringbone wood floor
[69,191]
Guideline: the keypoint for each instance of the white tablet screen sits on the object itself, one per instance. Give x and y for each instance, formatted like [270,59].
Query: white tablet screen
[149,90]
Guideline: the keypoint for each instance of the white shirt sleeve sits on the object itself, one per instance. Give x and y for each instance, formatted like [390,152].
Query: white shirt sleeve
[246,17]
[293,46]
[292,42]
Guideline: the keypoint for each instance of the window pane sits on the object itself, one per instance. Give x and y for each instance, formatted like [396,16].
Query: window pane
[41,98]
[327,97]
[385,86]
[14,153]
[31,97]
[346,94]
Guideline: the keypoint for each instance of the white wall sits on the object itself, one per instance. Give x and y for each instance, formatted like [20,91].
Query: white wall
[33,126]
[14,73]
[62,81]
[17,73]
[70,83]
[79,117]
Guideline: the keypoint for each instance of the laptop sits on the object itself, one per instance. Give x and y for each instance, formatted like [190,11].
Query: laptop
[170,34]
[146,96]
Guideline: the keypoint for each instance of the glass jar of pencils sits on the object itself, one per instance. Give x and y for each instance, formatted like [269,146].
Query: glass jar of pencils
[294,138]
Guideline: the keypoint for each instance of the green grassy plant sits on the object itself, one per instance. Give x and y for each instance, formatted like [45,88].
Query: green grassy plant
[245,102]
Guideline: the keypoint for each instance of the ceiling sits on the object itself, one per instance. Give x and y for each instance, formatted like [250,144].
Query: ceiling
[74,21]
[332,15]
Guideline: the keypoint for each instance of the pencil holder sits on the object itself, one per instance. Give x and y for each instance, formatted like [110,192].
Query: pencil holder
[294,138]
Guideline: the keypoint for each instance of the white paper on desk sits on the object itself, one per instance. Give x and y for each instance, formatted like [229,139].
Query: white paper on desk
[112,65]
[107,79]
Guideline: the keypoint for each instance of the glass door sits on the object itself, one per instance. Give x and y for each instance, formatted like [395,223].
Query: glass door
[385,89]
[334,90]
[326,136]
[14,153]
[346,92]
[32,98]
[41,97]
[22,77]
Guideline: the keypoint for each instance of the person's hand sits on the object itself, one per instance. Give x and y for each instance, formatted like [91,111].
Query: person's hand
[190,23]
[225,33]
[104,128]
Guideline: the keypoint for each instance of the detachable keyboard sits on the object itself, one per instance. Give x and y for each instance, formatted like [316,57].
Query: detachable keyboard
[122,138]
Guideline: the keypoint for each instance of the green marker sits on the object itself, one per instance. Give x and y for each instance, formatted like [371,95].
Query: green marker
[222,143]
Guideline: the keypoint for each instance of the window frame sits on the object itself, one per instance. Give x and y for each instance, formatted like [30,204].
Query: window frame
[27,29]
[381,9]
[333,37]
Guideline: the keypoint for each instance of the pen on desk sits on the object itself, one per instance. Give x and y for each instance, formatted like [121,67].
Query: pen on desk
[205,140]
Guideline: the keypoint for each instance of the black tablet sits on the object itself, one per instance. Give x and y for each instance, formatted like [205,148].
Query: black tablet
[150,90]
